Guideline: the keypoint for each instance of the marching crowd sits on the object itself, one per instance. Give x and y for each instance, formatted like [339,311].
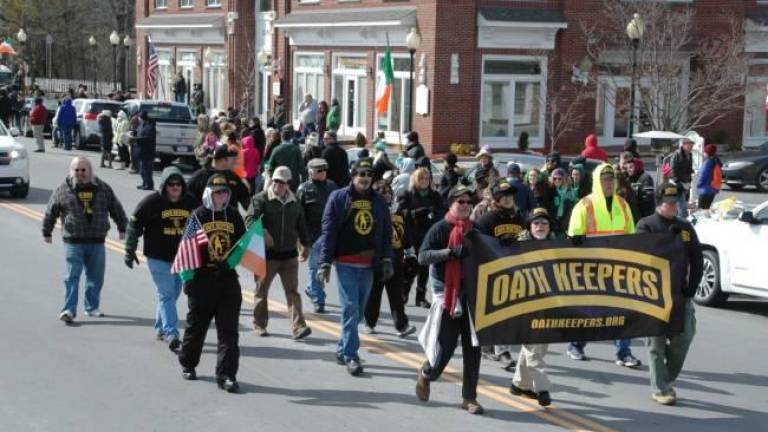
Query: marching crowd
[382,224]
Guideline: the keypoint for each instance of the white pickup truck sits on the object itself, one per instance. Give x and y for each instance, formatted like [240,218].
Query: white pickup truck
[176,129]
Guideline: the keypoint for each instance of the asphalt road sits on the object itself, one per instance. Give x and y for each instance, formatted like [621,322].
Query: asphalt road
[110,374]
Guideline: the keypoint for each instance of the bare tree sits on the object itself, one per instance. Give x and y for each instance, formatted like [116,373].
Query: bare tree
[246,74]
[562,109]
[688,80]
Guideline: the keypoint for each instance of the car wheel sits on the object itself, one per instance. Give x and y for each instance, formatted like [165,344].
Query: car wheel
[762,180]
[80,140]
[735,186]
[20,192]
[709,293]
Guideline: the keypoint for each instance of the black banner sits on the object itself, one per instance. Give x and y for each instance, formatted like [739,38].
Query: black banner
[552,291]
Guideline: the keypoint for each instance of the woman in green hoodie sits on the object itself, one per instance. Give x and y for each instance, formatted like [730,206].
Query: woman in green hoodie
[333,119]
[563,200]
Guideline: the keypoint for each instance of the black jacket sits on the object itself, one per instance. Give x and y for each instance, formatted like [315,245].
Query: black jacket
[338,164]
[694,253]
[313,195]
[198,181]
[682,166]
[223,229]
[422,211]
[642,184]
[504,225]
[146,143]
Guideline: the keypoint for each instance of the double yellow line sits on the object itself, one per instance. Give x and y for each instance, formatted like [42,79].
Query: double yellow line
[551,414]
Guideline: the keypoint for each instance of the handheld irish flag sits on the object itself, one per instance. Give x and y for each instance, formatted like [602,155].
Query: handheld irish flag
[249,251]
[189,256]
[385,84]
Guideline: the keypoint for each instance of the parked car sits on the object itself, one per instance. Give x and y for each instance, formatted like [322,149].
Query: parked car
[176,128]
[748,167]
[526,162]
[87,129]
[733,262]
[14,164]
[51,105]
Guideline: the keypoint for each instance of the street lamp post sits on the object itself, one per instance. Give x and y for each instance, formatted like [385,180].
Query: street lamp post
[114,40]
[92,44]
[127,42]
[412,41]
[48,55]
[635,30]
[21,36]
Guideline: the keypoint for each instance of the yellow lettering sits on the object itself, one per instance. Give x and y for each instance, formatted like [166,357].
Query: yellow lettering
[633,281]
[529,281]
[603,273]
[575,272]
[561,278]
[618,277]
[589,273]
[650,289]
[500,290]
[517,290]
[541,280]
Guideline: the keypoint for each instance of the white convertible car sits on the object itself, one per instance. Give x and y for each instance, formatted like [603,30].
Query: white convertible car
[734,244]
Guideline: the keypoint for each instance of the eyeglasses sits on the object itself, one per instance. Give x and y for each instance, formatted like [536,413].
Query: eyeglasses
[464,202]
[278,181]
[173,184]
[365,174]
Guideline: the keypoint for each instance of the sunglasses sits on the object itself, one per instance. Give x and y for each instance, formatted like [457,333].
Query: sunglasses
[174,184]
[276,181]
[464,202]
[79,170]
[365,174]
[319,170]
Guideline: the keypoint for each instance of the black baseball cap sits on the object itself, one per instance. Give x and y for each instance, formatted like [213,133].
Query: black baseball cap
[501,188]
[458,191]
[667,192]
[222,151]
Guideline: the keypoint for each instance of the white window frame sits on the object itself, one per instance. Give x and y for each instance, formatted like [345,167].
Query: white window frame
[161,4]
[303,2]
[345,131]
[393,136]
[511,140]
[212,3]
[316,71]
[211,70]
[187,65]
[753,140]
[186,4]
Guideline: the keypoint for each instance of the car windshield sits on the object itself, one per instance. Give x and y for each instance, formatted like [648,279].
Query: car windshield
[167,113]
[97,107]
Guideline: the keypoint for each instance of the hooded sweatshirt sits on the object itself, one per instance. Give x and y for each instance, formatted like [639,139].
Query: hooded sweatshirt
[67,117]
[592,151]
[223,229]
[251,157]
[160,221]
[121,127]
[612,219]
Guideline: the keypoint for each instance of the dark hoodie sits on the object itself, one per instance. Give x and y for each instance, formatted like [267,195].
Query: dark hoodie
[160,221]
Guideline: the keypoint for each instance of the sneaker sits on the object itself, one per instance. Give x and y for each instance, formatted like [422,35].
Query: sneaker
[472,407]
[189,374]
[628,361]
[576,354]
[160,337]
[174,344]
[96,313]
[340,359]
[422,386]
[260,331]
[423,303]
[67,317]
[509,366]
[227,384]
[369,330]
[354,368]
[664,399]
[517,391]
[407,331]
[302,333]
[319,308]
[544,398]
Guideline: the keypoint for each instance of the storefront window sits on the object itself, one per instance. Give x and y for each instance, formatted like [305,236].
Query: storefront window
[214,76]
[511,101]
[164,76]
[755,112]
[350,87]
[307,78]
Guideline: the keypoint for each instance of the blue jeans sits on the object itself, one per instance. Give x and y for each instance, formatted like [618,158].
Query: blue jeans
[622,347]
[66,135]
[89,257]
[145,169]
[315,289]
[354,287]
[168,289]
[181,97]
[682,205]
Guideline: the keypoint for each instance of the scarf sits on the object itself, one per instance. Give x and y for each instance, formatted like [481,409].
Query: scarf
[453,266]
[562,195]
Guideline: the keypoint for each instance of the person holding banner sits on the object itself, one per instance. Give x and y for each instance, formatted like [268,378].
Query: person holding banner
[213,291]
[667,353]
[449,318]
[530,380]
[602,213]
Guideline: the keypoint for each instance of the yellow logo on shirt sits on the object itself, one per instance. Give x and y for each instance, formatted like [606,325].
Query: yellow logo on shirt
[86,197]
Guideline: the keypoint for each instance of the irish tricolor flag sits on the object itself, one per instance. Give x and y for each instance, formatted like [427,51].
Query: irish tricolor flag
[249,251]
[385,84]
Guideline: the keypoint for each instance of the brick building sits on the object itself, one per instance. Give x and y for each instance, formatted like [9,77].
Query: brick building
[206,40]
[482,73]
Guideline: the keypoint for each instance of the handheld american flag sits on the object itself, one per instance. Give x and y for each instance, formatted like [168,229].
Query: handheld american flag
[189,256]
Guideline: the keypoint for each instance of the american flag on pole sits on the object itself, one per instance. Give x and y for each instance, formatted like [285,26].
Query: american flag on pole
[189,256]
[153,65]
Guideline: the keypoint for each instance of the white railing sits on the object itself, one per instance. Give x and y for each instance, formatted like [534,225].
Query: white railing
[57,85]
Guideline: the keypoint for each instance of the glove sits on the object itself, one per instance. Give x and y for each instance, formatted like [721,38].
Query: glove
[324,273]
[459,252]
[130,258]
[577,240]
[387,270]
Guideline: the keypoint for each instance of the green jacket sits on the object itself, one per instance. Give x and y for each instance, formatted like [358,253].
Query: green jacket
[283,220]
[333,119]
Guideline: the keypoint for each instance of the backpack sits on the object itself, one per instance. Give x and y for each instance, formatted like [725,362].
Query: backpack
[717,177]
